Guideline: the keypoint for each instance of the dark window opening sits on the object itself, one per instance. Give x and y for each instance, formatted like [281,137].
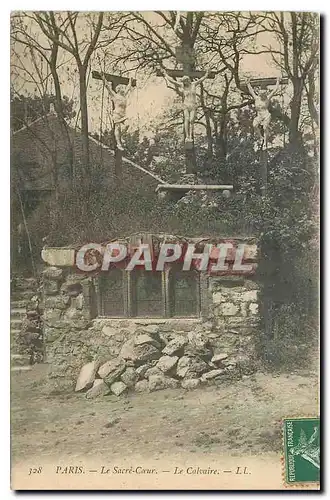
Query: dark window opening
[147,296]
[111,291]
[184,293]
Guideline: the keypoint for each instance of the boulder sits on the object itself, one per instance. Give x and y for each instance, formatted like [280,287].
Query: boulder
[146,339]
[129,377]
[188,367]
[86,376]
[99,389]
[212,374]
[194,351]
[139,353]
[153,371]
[142,386]
[158,382]
[198,338]
[190,383]
[175,346]
[141,370]
[219,358]
[128,350]
[151,330]
[167,363]
[111,370]
[118,388]
[171,383]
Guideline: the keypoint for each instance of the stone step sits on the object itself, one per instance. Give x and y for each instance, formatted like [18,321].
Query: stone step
[22,295]
[24,283]
[19,303]
[17,312]
[15,323]
[20,368]
[15,331]
[20,360]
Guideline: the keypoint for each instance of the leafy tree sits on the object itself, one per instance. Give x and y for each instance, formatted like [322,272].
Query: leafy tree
[26,108]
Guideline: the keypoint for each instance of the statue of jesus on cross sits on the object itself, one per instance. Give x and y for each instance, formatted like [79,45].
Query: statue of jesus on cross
[186,87]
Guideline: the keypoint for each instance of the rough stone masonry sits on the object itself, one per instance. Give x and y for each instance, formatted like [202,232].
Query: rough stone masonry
[115,355]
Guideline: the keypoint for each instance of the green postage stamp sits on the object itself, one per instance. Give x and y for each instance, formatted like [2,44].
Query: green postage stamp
[302,450]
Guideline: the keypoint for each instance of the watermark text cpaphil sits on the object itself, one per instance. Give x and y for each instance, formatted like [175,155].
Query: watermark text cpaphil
[220,258]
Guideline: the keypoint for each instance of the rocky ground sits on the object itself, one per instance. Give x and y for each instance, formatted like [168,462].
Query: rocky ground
[236,418]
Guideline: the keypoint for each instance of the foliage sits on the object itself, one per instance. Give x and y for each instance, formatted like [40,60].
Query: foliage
[283,219]
[26,108]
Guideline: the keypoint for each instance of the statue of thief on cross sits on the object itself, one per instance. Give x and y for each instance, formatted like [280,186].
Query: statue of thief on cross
[118,114]
[263,118]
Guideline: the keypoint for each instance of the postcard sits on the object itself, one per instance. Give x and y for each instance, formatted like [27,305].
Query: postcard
[164,250]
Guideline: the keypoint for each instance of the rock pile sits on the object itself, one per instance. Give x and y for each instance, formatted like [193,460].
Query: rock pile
[150,361]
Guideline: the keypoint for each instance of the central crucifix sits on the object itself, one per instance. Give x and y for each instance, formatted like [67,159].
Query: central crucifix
[185,83]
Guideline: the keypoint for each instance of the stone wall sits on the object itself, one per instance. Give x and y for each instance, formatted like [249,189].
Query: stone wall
[25,321]
[148,354]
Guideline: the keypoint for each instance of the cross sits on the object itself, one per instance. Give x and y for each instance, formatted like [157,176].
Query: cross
[177,73]
[186,57]
[261,119]
[262,83]
[114,79]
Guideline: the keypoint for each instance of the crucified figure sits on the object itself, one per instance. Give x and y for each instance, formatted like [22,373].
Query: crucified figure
[119,103]
[187,89]
[263,118]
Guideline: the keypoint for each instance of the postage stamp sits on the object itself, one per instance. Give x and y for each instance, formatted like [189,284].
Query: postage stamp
[302,450]
[164,285]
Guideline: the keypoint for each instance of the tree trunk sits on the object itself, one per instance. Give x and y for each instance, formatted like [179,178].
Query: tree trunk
[84,119]
[295,106]
[222,138]
[208,127]
[188,66]
[60,114]
[209,136]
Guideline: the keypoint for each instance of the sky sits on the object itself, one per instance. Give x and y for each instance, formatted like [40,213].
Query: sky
[146,103]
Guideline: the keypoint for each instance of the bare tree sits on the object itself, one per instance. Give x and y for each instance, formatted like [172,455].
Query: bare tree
[223,38]
[48,53]
[63,31]
[297,34]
